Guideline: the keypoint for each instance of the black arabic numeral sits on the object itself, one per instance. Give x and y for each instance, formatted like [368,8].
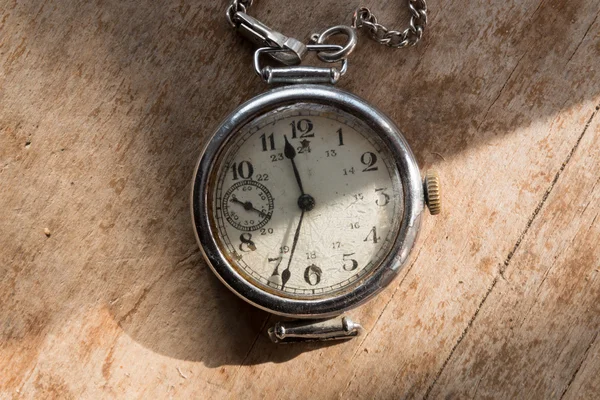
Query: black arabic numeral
[353,265]
[262,177]
[340,136]
[369,159]
[384,197]
[372,232]
[244,170]
[277,157]
[312,275]
[271,142]
[266,231]
[247,244]
[304,126]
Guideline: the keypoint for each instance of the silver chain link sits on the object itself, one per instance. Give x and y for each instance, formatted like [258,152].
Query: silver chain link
[364,18]
[236,6]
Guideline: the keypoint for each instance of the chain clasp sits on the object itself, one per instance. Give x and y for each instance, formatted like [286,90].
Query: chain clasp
[292,50]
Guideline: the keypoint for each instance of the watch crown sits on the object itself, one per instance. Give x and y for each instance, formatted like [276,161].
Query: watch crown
[433,192]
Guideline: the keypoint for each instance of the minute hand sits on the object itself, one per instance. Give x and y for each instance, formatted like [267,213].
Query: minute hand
[290,153]
[285,274]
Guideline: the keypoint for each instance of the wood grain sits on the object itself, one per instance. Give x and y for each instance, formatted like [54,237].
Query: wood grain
[104,107]
[542,315]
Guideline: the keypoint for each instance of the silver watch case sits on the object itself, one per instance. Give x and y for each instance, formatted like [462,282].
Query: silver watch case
[381,275]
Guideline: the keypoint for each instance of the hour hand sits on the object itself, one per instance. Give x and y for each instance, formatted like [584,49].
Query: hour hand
[288,149]
[290,153]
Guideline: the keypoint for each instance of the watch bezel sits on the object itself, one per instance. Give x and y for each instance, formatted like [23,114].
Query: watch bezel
[381,275]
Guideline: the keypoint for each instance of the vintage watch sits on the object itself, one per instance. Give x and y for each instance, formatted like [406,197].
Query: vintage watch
[307,200]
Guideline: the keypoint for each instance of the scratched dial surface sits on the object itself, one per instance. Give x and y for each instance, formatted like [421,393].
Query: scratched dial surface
[307,201]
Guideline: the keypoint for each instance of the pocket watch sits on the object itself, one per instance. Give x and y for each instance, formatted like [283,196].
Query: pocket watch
[307,200]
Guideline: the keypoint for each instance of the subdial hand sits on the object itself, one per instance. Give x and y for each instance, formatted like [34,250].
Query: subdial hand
[290,153]
[247,206]
[285,274]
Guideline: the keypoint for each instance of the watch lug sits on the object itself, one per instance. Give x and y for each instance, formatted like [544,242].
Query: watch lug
[337,328]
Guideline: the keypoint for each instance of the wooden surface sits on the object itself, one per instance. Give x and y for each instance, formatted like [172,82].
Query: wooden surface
[104,107]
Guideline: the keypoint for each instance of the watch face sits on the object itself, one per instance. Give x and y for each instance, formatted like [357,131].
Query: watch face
[305,201]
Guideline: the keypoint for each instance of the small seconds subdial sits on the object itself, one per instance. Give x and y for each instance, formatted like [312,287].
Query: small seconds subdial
[247,205]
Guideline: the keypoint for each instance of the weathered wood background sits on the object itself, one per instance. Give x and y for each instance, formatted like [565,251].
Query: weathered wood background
[104,107]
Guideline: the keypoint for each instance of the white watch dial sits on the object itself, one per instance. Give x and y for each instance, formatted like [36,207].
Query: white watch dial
[307,201]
